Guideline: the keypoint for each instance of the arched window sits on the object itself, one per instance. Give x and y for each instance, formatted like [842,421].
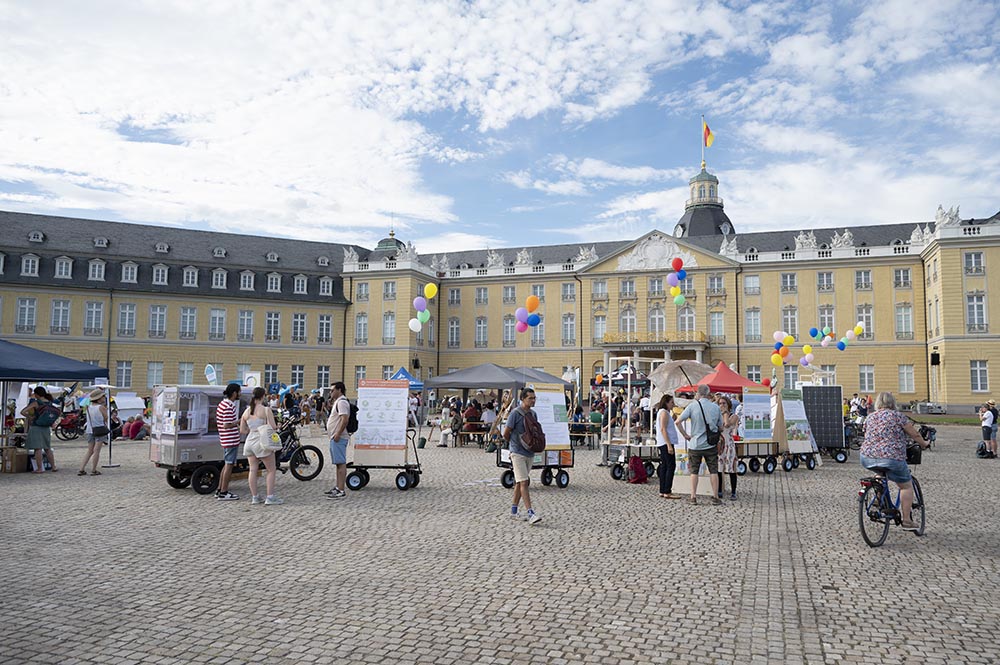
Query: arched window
[685,319]
[657,320]
[711,191]
[626,323]
[701,191]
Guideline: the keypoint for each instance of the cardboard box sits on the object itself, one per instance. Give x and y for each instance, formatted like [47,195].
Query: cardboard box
[13,460]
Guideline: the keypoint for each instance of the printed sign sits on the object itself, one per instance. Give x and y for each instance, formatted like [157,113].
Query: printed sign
[382,409]
[756,423]
[800,436]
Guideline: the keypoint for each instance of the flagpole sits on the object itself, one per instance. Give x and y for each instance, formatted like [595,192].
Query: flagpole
[702,140]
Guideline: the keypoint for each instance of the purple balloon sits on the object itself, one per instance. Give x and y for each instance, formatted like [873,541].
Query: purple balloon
[672,279]
[521,314]
[420,303]
[804,362]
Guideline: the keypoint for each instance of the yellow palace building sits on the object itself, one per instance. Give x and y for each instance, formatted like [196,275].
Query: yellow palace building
[156,304]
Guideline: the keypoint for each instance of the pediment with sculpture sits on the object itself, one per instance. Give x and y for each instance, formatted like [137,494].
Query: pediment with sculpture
[655,252]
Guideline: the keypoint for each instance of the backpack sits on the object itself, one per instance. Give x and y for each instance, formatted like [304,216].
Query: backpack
[981,450]
[47,415]
[352,417]
[533,438]
[636,471]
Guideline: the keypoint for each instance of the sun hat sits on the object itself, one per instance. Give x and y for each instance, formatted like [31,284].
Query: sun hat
[991,402]
[97,394]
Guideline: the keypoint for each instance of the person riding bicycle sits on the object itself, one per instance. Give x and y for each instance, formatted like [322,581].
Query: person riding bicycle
[886,437]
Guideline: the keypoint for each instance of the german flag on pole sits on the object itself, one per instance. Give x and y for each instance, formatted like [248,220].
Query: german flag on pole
[707,134]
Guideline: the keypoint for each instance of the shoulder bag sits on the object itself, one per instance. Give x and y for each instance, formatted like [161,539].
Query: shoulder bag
[713,435]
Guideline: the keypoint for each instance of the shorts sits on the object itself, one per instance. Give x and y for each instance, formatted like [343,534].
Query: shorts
[987,433]
[230,453]
[710,456]
[995,427]
[898,471]
[338,450]
[521,464]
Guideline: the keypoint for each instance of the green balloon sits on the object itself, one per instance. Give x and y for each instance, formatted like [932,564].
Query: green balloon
[423,316]
[679,300]
[826,330]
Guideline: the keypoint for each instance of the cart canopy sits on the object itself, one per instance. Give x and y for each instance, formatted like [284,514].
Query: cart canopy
[23,363]
[723,380]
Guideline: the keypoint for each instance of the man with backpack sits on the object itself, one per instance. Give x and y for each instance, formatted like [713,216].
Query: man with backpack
[521,433]
[705,426]
[339,425]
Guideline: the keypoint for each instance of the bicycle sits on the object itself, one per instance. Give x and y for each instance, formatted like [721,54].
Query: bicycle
[878,505]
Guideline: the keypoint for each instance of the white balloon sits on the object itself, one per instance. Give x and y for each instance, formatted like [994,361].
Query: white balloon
[809,357]
[825,342]
[415,325]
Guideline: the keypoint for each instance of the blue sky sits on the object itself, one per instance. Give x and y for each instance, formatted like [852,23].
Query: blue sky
[497,124]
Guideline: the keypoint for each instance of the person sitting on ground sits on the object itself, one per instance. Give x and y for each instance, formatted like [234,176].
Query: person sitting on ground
[886,437]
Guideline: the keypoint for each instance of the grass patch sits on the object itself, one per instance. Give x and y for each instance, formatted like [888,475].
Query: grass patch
[939,419]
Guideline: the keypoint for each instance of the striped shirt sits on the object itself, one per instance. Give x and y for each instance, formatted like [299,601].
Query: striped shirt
[227,414]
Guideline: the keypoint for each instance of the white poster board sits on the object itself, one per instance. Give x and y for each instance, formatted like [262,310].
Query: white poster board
[550,407]
[800,436]
[381,436]
[252,379]
[756,423]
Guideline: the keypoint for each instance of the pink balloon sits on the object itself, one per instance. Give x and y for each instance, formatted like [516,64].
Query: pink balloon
[521,326]
[778,336]
[521,314]
[849,334]
[810,357]
[825,342]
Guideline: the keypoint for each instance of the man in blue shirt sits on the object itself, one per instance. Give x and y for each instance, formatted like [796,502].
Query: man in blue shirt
[702,415]
[520,456]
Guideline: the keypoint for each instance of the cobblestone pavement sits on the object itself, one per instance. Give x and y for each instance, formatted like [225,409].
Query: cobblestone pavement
[123,569]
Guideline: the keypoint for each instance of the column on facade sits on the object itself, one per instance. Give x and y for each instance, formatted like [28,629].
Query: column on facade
[698,355]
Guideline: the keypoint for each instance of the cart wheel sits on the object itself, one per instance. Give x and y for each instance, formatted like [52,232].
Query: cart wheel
[787,464]
[355,480]
[770,464]
[617,471]
[403,481]
[741,468]
[415,477]
[306,462]
[840,457]
[507,479]
[205,479]
[365,477]
[562,479]
[795,462]
[650,469]
[810,462]
[177,480]
[754,464]
[546,477]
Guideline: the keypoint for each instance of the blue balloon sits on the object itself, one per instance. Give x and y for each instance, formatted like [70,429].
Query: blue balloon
[841,346]
[534,320]
[682,274]
[777,346]
[813,332]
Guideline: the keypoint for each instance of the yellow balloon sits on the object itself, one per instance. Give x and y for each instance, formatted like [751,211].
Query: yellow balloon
[788,341]
[430,290]
[807,349]
[776,359]
[858,330]
[675,291]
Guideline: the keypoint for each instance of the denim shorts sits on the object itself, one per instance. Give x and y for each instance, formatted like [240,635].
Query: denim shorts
[338,450]
[898,471]
[230,453]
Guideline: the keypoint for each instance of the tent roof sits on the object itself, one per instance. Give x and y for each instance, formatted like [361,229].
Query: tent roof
[723,380]
[23,363]
[487,375]
[538,376]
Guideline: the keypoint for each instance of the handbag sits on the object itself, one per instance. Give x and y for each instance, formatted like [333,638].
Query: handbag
[100,431]
[713,436]
[268,439]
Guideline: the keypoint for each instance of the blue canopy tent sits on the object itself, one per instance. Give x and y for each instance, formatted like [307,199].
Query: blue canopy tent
[401,373]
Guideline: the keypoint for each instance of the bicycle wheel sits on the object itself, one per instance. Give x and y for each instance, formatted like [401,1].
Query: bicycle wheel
[919,512]
[306,462]
[872,520]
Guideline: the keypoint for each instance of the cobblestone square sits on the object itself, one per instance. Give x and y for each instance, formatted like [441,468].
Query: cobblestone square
[122,569]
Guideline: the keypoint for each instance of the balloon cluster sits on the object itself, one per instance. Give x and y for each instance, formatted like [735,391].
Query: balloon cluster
[674,280]
[526,316]
[782,349]
[826,336]
[420,304]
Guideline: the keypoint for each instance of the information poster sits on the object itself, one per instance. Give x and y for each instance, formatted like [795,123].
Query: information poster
[550,407]
[800,436]
[756,423]
[382,409]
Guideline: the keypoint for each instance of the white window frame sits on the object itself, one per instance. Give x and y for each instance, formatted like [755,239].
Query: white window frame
[154,373]
[247,280]
[569,329]
[300,327]
[687,320]
[389,328]
[130,272]
[158,315]
[244,325]
[627,321]
[123,373]
[220,276]
[126,318]
[361,328]
[657,320]
[326,286]
[63,268]
[95,270]
[979,371]
[185,373]
[161,274]
[60,315]
[190,277]
[273,282]
[906,379]
[300,285]
[866,378]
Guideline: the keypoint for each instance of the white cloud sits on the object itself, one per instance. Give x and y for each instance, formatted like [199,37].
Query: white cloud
[968,94]
[524,180]
[455,241]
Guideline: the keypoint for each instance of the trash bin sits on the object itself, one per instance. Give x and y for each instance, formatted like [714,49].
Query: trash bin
[421,442]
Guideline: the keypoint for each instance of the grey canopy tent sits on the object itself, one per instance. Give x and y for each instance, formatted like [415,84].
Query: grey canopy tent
[489,375]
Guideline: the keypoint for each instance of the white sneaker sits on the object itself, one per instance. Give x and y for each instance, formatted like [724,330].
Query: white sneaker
[255,500]
[516,516]
[273,501]
[533,518]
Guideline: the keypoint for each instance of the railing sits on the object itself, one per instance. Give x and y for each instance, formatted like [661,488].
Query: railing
[825,288]
[58,330]
[244,337]
[599,296]
[569,297]
[388,341]
[508,343]
[789,288]
[390,265]
[508,270]
[824,253]
[360,341]
[298,339]
[361,297]
[862,286]
[389,296]
[185,334]
[217,337]
[866,335]
[751,257]
[977,328]
[482,343]
[628,295]
[788,256]
[716,339]
[454,301]
[569,341]
[272,338]
[452,344]
[902,284]
[482,301]
[862,251]
[971,231]
[656,293]
[329,340]
[430,343]
[903,335]
[751,290]
[975,270]
[719,291]
[509,301]
[157,334]
[91,332]
[568,267]
[752,339]
[482,272]
[538,342]
[704,199]
[653,337]
[126,332]
[537,268]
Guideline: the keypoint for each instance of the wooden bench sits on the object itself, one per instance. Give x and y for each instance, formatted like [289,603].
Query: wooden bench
[463,437]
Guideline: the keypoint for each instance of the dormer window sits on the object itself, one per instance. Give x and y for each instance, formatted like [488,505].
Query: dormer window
[130,272]
[246,281]
[323,261]
[325,286]
[160,273]
[219,278]
[64,268]
[100,242]
[300,285]
[29,265]
[273,282]
[36,236]
[219,252]
[272,257]
[162,248]
[190,276]
[96,272]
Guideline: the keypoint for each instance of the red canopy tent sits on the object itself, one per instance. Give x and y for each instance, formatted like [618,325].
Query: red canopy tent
[723,380]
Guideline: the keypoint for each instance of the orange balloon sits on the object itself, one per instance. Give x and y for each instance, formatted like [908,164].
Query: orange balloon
[531,303]
[600,379]
[783,351]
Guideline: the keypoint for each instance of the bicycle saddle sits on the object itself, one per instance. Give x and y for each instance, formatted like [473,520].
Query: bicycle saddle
[880,470]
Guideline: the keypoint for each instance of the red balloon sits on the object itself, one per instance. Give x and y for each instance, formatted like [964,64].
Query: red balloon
[677,264]
[767,382]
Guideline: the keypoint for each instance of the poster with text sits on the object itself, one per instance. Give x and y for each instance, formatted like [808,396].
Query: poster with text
[381,415]
[550,406]
[756,423]
[800,436]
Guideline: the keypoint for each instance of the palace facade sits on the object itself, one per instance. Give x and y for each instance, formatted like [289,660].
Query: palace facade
[156,304]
